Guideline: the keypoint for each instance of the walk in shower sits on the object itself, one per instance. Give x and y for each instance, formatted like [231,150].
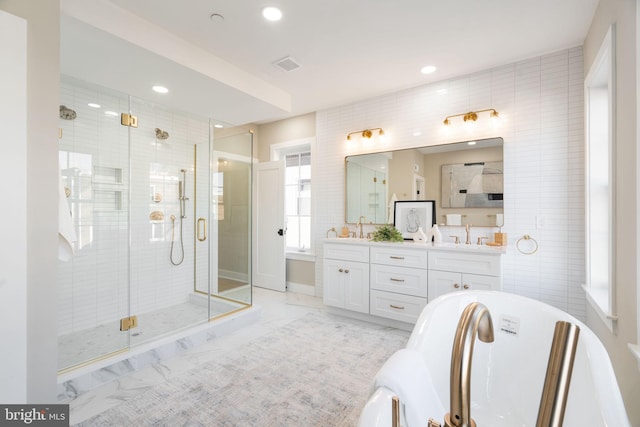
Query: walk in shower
[160,204]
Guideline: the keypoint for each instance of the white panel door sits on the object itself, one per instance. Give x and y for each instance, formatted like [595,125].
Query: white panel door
[269,262]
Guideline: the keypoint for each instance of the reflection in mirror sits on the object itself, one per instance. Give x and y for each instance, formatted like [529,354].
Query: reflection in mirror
[472,185]
[464,194]
[367,189]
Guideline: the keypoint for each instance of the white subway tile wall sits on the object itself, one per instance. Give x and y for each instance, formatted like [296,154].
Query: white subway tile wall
[541,106]
[94,156]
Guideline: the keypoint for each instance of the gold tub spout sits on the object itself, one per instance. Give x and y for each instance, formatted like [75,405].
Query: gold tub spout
[474,321]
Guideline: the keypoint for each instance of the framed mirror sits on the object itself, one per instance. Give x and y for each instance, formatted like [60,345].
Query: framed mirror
[464,179]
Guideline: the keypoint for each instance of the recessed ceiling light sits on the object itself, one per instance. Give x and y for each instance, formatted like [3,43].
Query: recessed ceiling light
[216,17]
[272,13]
[93,105]
[428,69]
[218,125]
[160,89]
[471,143]
[111,113]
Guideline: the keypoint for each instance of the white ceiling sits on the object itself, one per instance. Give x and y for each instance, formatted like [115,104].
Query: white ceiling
[348,50]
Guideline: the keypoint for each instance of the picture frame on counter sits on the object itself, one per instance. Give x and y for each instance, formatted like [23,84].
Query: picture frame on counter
[410,215]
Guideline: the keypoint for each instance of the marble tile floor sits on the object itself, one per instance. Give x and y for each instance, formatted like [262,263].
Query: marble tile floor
[278,309]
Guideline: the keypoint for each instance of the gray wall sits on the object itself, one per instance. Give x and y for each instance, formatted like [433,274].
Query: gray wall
[298,272]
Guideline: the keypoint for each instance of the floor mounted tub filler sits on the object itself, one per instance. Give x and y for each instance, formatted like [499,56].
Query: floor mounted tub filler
[524,356]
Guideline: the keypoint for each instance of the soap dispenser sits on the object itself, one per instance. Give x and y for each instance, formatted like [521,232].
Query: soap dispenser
[500,238]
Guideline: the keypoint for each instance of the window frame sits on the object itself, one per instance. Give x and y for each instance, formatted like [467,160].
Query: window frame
[601,75]
[635,348]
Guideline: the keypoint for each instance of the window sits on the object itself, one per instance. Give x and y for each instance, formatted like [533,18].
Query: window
[297,198]
[600,184]
[297,156]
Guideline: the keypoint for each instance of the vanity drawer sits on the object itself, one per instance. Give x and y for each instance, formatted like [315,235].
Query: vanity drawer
[405,308]
[401,257]
[489,265]
[408,281]
[346,252]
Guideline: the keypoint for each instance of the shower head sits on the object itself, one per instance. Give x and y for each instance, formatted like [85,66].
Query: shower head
[67,113]
[162,134]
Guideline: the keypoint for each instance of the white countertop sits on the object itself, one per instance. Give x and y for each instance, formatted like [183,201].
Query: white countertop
[410,244]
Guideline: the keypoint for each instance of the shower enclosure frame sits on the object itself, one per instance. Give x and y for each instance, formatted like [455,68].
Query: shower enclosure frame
[75,94]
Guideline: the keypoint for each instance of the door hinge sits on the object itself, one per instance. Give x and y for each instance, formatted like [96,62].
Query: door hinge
[129,120]
[127,323]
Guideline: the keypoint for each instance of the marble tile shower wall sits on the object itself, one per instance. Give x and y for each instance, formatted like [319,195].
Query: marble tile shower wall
[94,152]
[541,104]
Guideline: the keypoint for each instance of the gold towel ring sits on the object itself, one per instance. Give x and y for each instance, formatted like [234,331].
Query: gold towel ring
[527,237]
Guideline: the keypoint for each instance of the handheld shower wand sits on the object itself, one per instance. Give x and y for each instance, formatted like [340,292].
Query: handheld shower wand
[183,214]
[182,189]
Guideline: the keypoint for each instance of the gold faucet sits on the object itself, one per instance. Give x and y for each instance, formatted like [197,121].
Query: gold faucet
[468,228]
[475,320]
[359,224]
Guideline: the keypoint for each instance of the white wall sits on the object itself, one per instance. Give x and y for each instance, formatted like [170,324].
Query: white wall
[540,102]
[43,35]
[13,170]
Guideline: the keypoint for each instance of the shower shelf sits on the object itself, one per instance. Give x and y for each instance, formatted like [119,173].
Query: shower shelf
[107,175]
[107,200]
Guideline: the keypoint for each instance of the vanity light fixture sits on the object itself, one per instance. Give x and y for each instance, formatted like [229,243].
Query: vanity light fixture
[471,115]
[367,133]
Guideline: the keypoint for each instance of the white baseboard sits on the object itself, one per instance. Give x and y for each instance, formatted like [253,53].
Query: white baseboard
[391,323]
[233,275]
[299,288]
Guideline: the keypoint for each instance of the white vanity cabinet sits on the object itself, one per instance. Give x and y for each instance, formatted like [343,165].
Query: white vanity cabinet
[346,276]
[398,282]
[451,271]
[385,282]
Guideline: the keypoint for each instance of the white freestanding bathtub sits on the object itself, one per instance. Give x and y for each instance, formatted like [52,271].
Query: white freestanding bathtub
[507,375]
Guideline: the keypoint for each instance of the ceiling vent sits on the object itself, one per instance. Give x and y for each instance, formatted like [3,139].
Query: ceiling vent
[287,64]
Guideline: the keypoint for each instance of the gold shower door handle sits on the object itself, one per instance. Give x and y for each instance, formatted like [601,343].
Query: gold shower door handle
[202,225]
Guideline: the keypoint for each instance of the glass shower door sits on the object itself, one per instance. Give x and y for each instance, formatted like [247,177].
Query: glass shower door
[93,290]
[228,209]
[163,219]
